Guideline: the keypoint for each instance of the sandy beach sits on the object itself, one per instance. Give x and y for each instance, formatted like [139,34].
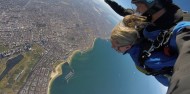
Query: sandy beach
[58,71]
[55,73]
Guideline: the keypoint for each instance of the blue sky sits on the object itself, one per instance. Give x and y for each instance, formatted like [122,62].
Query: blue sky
[184,4]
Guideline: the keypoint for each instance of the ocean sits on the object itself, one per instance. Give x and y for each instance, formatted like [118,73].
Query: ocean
[101,70]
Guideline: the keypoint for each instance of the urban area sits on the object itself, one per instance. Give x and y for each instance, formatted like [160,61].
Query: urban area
[37,35]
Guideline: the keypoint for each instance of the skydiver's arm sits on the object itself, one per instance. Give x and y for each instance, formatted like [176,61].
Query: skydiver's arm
[179,83]
[118,8]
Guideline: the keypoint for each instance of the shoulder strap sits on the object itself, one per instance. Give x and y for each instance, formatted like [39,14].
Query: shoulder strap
[163,71]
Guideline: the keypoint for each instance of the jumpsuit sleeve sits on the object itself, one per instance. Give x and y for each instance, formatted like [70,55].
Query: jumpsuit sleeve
[162,79]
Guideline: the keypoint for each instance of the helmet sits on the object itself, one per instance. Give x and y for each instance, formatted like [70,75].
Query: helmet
[153,6]
[149,3]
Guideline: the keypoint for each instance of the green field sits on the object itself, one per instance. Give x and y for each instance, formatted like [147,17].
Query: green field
[16,77]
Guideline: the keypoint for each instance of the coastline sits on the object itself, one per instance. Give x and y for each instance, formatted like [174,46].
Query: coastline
[58,71]
[54,74]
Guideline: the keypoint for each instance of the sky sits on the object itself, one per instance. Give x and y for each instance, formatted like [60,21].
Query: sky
[183,4]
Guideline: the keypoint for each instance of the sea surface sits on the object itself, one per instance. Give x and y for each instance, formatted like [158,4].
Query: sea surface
[101,70]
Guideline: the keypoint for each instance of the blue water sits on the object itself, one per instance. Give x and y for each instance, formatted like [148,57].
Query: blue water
[102,70]
[10,64]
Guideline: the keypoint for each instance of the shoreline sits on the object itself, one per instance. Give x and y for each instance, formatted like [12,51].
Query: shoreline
[58,71]
[54,74]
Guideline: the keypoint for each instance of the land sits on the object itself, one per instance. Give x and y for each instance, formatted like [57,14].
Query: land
[53,30]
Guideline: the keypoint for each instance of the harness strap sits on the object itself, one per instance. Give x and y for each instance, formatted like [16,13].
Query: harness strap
[167,71]
[161,42]
[151,11]
[163,71]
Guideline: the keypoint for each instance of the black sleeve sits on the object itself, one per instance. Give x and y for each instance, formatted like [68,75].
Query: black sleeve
[180,81]
[118,8]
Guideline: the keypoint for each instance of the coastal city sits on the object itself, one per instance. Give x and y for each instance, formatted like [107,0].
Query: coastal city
[45,33]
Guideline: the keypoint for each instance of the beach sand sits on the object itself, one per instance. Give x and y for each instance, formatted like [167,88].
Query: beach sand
[58,70]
